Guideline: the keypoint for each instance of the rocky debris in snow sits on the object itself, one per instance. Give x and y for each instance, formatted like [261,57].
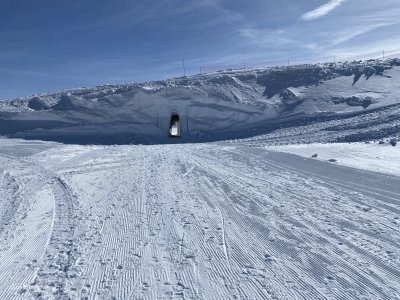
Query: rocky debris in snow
[288,97]
[354,101]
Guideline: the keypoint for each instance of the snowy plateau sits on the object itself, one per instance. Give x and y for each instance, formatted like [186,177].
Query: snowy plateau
[284,184]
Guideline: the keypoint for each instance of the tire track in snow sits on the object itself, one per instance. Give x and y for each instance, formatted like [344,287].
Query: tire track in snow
[219,159]
[218,222]
[26,229]
[241,245]
[58,267]
[11,200]
[374,261]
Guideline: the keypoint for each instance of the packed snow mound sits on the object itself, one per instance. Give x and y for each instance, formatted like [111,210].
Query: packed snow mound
[37,104]
[66,102]
[222,105]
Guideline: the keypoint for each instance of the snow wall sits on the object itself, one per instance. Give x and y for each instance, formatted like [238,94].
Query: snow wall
[223,105]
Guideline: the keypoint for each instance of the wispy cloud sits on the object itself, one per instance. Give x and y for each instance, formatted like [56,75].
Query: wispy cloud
[355,32]
[322,10]
[266,37]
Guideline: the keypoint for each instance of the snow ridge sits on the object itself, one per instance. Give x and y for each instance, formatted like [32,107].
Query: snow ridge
[217,106]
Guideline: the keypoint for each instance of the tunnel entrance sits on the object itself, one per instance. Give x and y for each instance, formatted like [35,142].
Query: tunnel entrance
[174,127]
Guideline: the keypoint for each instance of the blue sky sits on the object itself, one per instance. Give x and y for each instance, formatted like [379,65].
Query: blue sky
[49,45]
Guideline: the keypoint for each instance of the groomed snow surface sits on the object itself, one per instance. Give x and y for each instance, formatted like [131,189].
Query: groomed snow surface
[204,221]
[375,157]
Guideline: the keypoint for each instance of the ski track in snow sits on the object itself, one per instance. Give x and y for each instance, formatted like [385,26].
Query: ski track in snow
[204,221]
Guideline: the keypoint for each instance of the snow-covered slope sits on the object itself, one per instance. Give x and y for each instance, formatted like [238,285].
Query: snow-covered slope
[222,105]
[194,221]
[375,157]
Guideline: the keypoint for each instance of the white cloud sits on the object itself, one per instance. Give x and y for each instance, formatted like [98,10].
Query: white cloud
[322,10]
[354,32]
[266,37]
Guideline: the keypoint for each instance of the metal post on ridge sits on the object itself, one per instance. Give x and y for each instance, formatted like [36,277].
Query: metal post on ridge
[187,121]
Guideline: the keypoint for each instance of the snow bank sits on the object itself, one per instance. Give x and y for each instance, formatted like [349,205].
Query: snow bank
[217,106]
[382,158]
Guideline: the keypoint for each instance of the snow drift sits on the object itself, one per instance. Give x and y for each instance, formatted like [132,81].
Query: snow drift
[222,105]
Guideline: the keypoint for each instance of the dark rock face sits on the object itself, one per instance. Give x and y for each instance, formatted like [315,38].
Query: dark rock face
[367,102]
[37,104]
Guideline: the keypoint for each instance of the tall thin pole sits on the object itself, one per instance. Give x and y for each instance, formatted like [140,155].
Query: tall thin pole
[334,58]
[184,69]
[187,121]
[244,64]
